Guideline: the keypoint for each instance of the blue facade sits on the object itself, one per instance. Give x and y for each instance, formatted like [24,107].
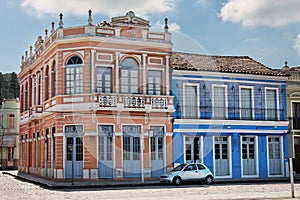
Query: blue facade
[236,125]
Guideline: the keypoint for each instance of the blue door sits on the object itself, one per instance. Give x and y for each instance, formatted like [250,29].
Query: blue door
[132,151]
[105,151]
[157,153]
[74,152]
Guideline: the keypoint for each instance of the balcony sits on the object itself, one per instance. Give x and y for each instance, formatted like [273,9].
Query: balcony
[230,113]
[135,102]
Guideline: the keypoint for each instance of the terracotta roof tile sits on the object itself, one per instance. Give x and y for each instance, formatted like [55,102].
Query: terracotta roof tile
[230,64]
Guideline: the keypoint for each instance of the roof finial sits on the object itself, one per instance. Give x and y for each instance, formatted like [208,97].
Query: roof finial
[90,18]
[166,24]
[22,59]
[61,24]
[46,34]
[286,64]
[30,52]
[52,27]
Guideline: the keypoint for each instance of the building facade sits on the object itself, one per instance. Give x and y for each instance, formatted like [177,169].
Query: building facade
[96,102]
[230,115]
[9,133]
[293,114]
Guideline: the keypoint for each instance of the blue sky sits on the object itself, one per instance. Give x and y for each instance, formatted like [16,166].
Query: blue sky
[266,30]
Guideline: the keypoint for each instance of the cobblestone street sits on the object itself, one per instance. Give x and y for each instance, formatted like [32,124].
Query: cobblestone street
[12,188]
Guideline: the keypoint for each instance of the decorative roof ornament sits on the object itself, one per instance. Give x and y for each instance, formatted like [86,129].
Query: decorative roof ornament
[61,24]
[52,27]
[130,16]
[46,34]
[166,24]
[90,18]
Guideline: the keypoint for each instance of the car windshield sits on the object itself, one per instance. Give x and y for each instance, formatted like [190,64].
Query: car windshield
[178,168]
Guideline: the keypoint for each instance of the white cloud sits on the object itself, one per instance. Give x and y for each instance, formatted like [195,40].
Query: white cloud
[261,12]
[297,43]
[108,7]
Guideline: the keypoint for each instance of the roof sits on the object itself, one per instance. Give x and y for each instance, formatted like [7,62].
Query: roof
[230,64]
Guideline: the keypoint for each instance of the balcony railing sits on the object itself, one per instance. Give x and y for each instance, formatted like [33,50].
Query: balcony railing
[159,103]
[107,101]
[134,102]
[230,113]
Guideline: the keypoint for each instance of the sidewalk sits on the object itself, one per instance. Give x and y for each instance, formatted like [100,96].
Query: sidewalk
[81,183]
[117,183]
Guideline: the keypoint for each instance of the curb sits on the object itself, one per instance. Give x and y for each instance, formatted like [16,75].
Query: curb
[135,184]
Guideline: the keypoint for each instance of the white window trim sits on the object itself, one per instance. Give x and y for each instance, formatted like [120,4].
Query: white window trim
[213,98]
[198,98]
[277,102]
[256,157]
[291,109]
[162,82]
[201,147]
[229,157]
[252,100]
[281,157]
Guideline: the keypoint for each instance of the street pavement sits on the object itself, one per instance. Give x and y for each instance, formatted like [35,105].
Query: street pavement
[13,188]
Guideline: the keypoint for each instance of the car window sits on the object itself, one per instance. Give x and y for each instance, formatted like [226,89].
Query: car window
[190,167]
[178,168]
[200,167]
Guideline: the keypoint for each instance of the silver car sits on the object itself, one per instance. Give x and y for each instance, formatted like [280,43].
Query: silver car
[188,172]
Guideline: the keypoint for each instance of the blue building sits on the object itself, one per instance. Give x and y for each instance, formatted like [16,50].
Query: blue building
[230,115]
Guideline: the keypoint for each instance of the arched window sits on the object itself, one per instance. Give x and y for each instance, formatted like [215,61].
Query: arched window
[26,97]
[47,83]
[129,76]
[22,99]
[74,75]
[53,80]
[39,91]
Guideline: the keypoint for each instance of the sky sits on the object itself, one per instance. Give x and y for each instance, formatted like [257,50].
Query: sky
[265,30]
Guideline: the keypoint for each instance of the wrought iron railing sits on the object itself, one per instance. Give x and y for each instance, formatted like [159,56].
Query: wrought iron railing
[229,113]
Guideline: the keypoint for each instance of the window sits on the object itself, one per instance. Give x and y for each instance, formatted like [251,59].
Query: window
[219,102]
[74,75]
[47,83]
[39,92]
[154,82]
[104,80]
[53,80]
[296,115]
[246,103]
[129,76]
[271,104]
[69,148]
[190,101]
[11,121]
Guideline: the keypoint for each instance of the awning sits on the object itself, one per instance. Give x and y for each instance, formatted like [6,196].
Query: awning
[8,141]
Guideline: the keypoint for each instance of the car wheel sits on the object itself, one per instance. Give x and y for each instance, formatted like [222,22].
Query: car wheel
[176,180]
[209,180]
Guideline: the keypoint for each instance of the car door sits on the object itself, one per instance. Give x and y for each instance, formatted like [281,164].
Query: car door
[190,172]
[202,171]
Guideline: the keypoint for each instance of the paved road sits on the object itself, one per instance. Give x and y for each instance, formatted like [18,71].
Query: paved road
[11,188]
